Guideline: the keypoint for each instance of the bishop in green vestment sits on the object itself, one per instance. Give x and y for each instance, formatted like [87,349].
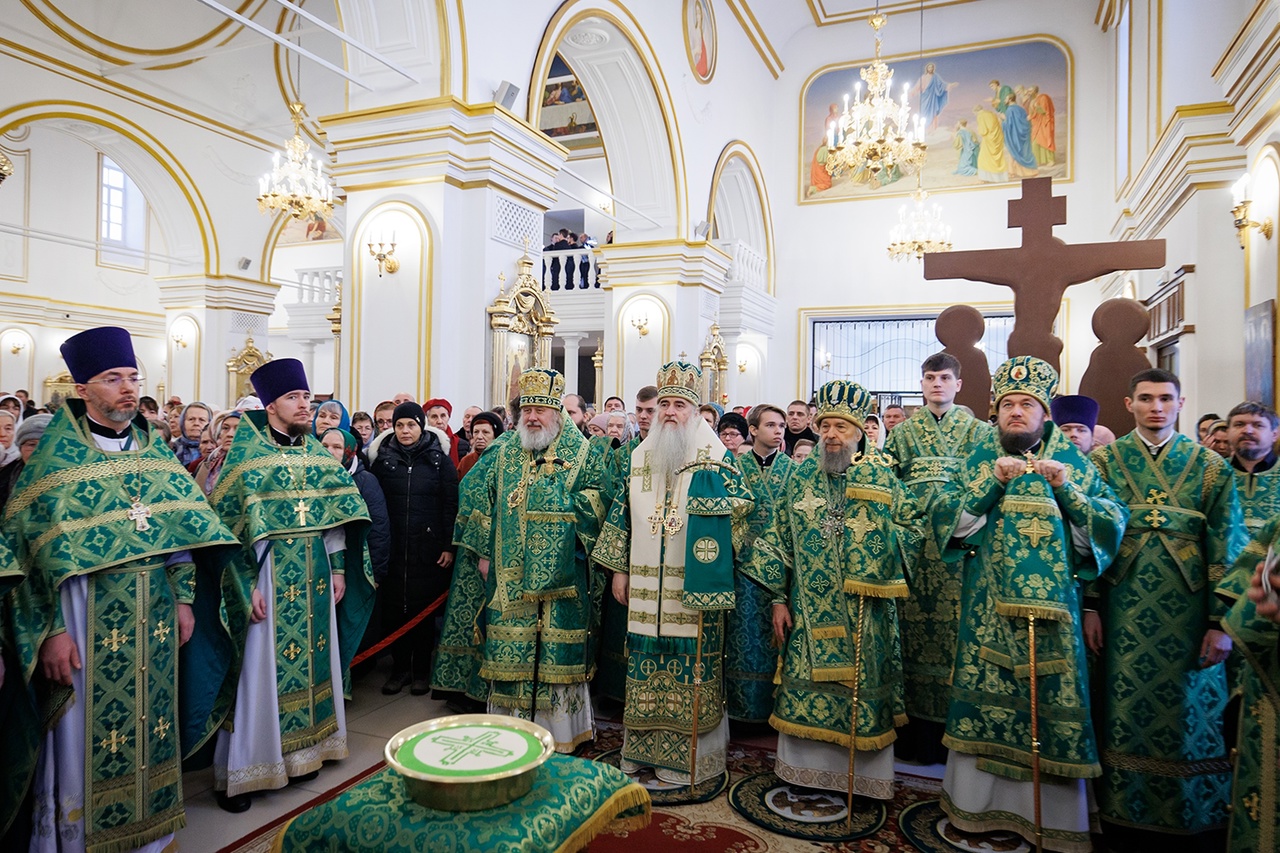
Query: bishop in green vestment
[1254,819]
[929,450]
[751,652]
[670,543]
[104,522]
[298,596]
[1165,766]
[833,561]
[1037,519]
[541,494]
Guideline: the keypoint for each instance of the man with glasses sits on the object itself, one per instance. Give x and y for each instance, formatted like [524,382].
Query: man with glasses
[106,519]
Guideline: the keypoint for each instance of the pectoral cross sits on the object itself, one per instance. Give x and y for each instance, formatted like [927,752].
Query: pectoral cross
[138,514]
[114,641]
[1031,462]
[301,509]
[655,520]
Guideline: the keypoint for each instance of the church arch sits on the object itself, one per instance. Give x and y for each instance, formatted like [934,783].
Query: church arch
[738,207]
[172,195]
[614,60]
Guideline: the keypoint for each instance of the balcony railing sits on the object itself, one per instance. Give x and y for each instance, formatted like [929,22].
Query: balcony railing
[570,269]
[748,267]
[319,285]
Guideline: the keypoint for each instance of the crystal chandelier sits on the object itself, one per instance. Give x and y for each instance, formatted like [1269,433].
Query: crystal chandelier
[6,167]
[919,230]
[296,185]
[876,133]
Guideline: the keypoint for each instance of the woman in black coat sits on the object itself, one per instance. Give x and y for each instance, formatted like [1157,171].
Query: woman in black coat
[420,483]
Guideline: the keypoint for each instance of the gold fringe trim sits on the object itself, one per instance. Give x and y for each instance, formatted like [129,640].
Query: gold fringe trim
[135,836]
[888,589]
[1021,756]
[1024,611]
[865,743]
[1058,840]
[606,817]
[551,595]
[829,632]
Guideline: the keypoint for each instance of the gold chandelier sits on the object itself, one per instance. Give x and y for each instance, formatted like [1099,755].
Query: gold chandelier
[919,230]
[296,184]
[876,133]
[6,167]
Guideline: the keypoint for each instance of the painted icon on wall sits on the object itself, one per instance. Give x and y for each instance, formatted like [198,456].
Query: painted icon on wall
[700,38]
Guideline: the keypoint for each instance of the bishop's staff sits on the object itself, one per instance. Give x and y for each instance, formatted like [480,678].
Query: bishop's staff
[697,696]
[1035,709]
[853,725]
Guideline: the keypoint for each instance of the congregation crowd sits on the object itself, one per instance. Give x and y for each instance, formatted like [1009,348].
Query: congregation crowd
[1080,627]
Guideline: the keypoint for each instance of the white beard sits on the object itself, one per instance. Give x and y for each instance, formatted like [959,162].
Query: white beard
[536,441]
[672,446]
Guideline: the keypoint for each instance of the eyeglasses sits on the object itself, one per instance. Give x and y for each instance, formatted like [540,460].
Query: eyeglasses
[117,381]
[384,423]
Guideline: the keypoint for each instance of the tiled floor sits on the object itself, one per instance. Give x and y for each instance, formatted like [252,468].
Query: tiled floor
[371,720]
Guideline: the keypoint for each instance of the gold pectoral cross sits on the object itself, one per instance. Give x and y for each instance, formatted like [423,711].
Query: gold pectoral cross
[301,509]
[1031,462]
[138,514]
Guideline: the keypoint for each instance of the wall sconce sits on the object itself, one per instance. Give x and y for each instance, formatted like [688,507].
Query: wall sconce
[823,360]
[742,365]
[1240,211]
[179,339]
[641,324]
[385,255]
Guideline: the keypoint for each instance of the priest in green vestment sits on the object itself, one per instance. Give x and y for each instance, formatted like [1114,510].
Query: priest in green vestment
[1036,520]
[1252,431]
[751,652]
[1254,813]
[541,496]
[929,450]
[19,725]
[834,562]
[670,541]
[104,522]
[1156,631]
[455,674]
[298,595]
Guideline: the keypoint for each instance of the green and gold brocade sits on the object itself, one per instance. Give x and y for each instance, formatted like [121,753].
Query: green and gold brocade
[1164,762]
[750,651]
[1010,565]
[611,675]
[1259,496]
[1254,819]
[19,724]
[930,454]
[835,554]
[544,511]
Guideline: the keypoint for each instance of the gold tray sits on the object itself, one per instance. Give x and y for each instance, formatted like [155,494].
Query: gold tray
[471,793]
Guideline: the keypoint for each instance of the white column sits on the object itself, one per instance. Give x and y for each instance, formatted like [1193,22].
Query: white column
[731,384]
[309,358]
[572,341]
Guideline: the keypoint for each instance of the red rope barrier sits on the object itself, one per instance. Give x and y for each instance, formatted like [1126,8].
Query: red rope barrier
[401,631]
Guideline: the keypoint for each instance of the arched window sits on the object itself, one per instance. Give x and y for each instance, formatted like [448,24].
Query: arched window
[122,218]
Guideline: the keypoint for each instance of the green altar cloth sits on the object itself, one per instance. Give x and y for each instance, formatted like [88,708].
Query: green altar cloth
[572,801]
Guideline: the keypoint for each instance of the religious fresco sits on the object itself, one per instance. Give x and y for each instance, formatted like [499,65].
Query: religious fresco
[992,115]
[313,229]
[700,38]
[565,114]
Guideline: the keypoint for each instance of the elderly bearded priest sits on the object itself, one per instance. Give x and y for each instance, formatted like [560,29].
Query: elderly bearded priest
[669,540]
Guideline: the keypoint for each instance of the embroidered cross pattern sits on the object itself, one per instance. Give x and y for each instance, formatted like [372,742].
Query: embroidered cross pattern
[810,503]
[861,524]
[1157,498]
[138,514]
[458,748]
[114,742]
[292,593]
[161,729]
[114,641]
[706,550]
[1155,518]
[645,472]
[292,651]
[161,632]
[1035,529]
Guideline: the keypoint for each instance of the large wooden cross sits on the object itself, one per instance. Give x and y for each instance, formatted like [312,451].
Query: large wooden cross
[1042,268]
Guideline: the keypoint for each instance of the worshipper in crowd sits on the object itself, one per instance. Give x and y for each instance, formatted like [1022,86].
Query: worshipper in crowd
[833,560]
[172,418]
[709,414]
[598,426]
[25,439]
[739,410]
[750,651]
[344,446]
[875,434]
[1204,423]
[402,397]
[148,407]
[8,427]
[1026,484]
[669,542]
[733,431]
[1218,439]
[1076,417]
[191,423]
[501,411]
[382,416]
[929,450]
[616,426]
[438,413]
[1102,436]
[539,614]
[1253,431]
[1185,529]
[468,415]
[362,426]
[576,408]
[330,414]
[420,483]
[802,450]
[207,444]
[614,404]
[12,404]
[303,564]
[892,416]
[590,412]
[798,419]
[210,467]
[485,429]
[122,568]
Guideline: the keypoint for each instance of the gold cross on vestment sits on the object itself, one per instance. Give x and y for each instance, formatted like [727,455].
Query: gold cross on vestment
[935,468]
[1156,497]
[1251,803]
[1031,462]
[810,503]
[161,632]
[115,640]
[1155,518]
[292,593]
[321,643]
[644,471]
[301,509]
[161,729]
[1035,529]
[292,651]
[861,524]
[139,513]
[706,549]
[114,742]
[321,586]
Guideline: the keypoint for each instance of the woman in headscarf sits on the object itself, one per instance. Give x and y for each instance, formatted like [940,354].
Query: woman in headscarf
[598,425]
[8,428]
[330,415]
[874,431]
[490,428]
[224,429]
[344,446]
